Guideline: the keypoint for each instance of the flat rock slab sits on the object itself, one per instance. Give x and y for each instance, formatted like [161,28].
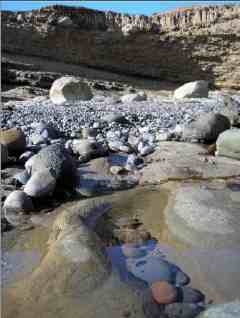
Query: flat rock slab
[206,214]
[180,160]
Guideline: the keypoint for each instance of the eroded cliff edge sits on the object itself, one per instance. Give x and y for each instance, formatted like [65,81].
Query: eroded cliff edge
[184,45]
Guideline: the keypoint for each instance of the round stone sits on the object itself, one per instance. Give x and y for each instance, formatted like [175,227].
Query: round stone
[15,205]
[163,292]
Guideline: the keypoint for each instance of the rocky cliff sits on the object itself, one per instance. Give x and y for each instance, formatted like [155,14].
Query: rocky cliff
[187,44]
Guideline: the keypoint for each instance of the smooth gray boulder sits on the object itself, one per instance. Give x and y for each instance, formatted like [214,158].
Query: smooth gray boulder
[206,128]
[55,158]
[191,90]
[228,144]
[42,183]
[16,204]
[69,89]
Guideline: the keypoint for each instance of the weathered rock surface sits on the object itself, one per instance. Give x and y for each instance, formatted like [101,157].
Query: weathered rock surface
[23,93]
[180,46]
[177,161]
[228,144]
[206,214]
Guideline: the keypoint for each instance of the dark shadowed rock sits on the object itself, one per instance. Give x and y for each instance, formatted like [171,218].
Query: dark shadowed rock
[207,127]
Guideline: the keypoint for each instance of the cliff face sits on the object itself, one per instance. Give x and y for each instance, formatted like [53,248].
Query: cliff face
[187,44]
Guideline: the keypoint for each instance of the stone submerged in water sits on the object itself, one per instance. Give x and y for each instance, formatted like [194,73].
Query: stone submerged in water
[152,269]
[89,185]
[14,139]
[228,144]
[205,214]
[22,177]
[191,90]
[227,310]
[163,292]
[69,89]
[206,128]
[183,310]
[15,205]
[42,183]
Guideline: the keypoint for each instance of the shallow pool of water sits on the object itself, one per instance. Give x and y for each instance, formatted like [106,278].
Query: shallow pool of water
[215,272]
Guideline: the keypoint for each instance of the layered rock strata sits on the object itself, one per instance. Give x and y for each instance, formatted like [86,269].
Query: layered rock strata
[185,45]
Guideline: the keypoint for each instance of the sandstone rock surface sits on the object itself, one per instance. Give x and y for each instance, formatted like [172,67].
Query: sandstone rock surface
[180,46]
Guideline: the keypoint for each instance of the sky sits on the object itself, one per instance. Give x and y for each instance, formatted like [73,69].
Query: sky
[132,7]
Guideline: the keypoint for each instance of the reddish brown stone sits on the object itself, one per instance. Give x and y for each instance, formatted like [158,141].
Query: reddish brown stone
[163,292]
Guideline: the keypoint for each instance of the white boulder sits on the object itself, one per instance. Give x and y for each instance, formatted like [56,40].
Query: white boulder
[191,90]
[69,89]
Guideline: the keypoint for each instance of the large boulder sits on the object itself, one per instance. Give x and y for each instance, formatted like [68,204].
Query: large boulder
[191,90]
[69,89]
[14,139]
[57,160]
[206,128]
[41,184]
[228,144]
[15,205]
[227,310]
